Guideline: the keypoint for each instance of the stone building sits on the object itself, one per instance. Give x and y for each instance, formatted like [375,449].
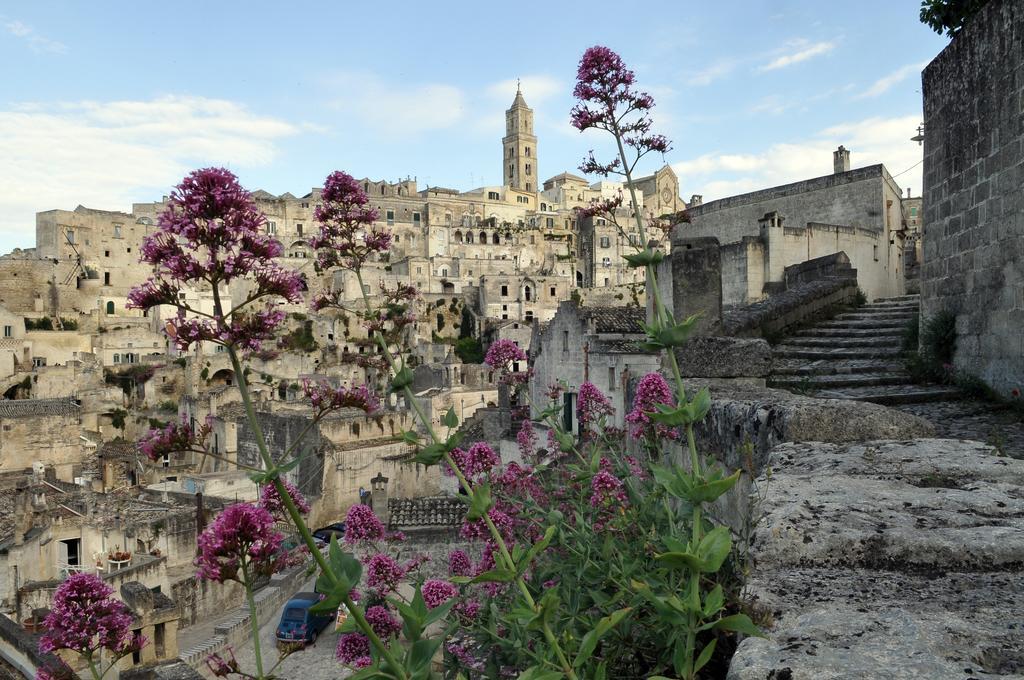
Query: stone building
[595,344]
[973,237]
[43,431]
[857,211]
[520,147]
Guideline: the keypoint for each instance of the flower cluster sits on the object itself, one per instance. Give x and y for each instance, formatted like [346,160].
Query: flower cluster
[459,563]
[354,650]
[650,391]
[383,573]
[271,501]
[592,405]
[325,398]
[212,233]
[606,489]
[242,532]
[361,524]
[436,592]
[222,667]
[384,624]
[174,437]
[526,438]
[346,238]
[86,618]
[502,354]
[604,88]
[479,460]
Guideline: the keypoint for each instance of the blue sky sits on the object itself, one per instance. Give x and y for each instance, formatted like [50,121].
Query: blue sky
[107,103]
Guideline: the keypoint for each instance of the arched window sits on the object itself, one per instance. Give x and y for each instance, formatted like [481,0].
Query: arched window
[483,237]
[458,237]
[495,239]
[528,293]
[469,237]
[110,307]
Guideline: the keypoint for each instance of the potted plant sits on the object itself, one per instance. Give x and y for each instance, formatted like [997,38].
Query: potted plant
[118,559]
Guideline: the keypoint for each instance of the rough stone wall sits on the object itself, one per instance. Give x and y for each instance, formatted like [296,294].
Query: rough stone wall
[280,432]
[974,193]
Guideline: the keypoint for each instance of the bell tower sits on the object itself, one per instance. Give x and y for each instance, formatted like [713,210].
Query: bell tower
[519,167]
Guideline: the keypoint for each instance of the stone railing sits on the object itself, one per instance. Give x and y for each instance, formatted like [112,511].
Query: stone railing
[779,313]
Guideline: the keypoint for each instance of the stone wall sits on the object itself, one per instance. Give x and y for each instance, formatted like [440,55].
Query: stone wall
[200,600]
[973,237]
[790,308]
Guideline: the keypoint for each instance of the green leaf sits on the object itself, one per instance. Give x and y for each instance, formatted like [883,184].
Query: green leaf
[536,549]
[540,673]
[430,455]
[642,259]
[409,437]
[329,603]
[450,419]
[699,405]
[439,612]
[709,491]
[421,652]
[705,655]
[492,576]
[412,622]
[714,548]
[739,623]
[713,601]
[590,640]
[402,379]
[602,671]
[565,441]
[479,503]
[344,565]
[680,560]
[676,335]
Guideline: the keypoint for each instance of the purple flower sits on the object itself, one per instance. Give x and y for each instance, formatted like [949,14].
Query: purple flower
[606,488]
[240,532]
[362,525]
[592,405]
[346,237]
[478,461]
[352,647]
[459,564]
[85,618]
[383,573]
[325,398]
[527,439]
[271,501]
[175,437]
[651,391]
[436,592]
[210,235]
[222,667]
[502,356]
[383,623]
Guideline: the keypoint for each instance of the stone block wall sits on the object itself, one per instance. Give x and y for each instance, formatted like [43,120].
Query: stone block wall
[973,238]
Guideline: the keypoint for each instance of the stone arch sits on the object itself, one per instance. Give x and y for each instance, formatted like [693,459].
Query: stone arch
[224,376]
[110,306]
[483,238]
[458,236]
[495,238]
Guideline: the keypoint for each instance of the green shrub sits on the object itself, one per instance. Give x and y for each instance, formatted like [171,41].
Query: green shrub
[69,324]
[169,406]
[469,350]
[860,299]
[938,338]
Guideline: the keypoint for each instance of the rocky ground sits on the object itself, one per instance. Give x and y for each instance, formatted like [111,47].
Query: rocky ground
[1002,428]
[888,559]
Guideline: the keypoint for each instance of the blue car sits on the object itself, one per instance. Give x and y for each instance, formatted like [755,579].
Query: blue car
[300,625]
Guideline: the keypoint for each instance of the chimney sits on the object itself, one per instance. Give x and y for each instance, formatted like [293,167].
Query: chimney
[908,192]
[841,160]
[696,200]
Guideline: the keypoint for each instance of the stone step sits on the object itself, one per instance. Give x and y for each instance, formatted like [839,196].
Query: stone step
[890,326]
[900,298]
[857,332]
[798,367]
[892,342]
[833,354]
[828,382]
[889,307]
[896,394]
[869,316]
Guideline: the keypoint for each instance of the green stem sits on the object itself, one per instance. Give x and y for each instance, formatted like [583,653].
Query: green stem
[253,620]
[93,671]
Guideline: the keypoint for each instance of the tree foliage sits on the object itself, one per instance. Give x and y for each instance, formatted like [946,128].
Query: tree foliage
[949,15]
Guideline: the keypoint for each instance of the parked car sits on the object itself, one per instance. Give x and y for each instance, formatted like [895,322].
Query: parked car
[325,533]
[298,624]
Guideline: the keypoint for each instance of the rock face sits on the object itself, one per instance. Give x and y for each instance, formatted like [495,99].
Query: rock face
[723,357]
[888,559]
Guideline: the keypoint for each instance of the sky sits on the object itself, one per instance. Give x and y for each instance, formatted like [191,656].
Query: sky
[105,104]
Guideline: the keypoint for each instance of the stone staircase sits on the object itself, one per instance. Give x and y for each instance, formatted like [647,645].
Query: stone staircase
[855,355]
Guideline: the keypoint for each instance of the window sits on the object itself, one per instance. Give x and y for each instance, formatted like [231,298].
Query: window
[117,358]
[875,251]
[117,231]
[366,288]
[419,270]
[550,221]
[611,378]
[415,217]
[606,282]
[71,236]
[298,229]
[529,187]
[110,307]
[493,195]
[913,212]
[529,315]
[605,242]
[106,278]
[504,291]
[528,293]
[8,331]
[448,218]
[106,253]
[552,291]
[38,362]
[565,341]
[510,169]
[528,169]
[305,204]
[606,262]
[272,228]
[398,238]
[391,217]
[533,239]
[527,151]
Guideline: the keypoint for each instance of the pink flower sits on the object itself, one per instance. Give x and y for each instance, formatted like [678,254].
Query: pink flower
[436,592]
[222,667]
[85,618]
[325,398]
[383,573]
[459,564]
[175,437]
[346,237]
[242,532]
[527,439]
[476,462]
[651,391]
[361,524]
[606,489]
[502,356]
[271,501]
[383,623]
[592,405]
[352,647]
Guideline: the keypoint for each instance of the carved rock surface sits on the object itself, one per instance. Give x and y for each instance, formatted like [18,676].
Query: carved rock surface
[888,559]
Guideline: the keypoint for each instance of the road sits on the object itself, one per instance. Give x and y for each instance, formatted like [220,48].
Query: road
[315,662]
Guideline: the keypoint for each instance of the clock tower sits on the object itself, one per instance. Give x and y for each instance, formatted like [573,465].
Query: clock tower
[519,167]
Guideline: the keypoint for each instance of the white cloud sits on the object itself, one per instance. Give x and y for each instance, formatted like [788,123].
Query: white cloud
[799,50]
[713,72]
[874,140]
[36,42]
[884,84]
[394,108]
[773,104]
[109,154]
